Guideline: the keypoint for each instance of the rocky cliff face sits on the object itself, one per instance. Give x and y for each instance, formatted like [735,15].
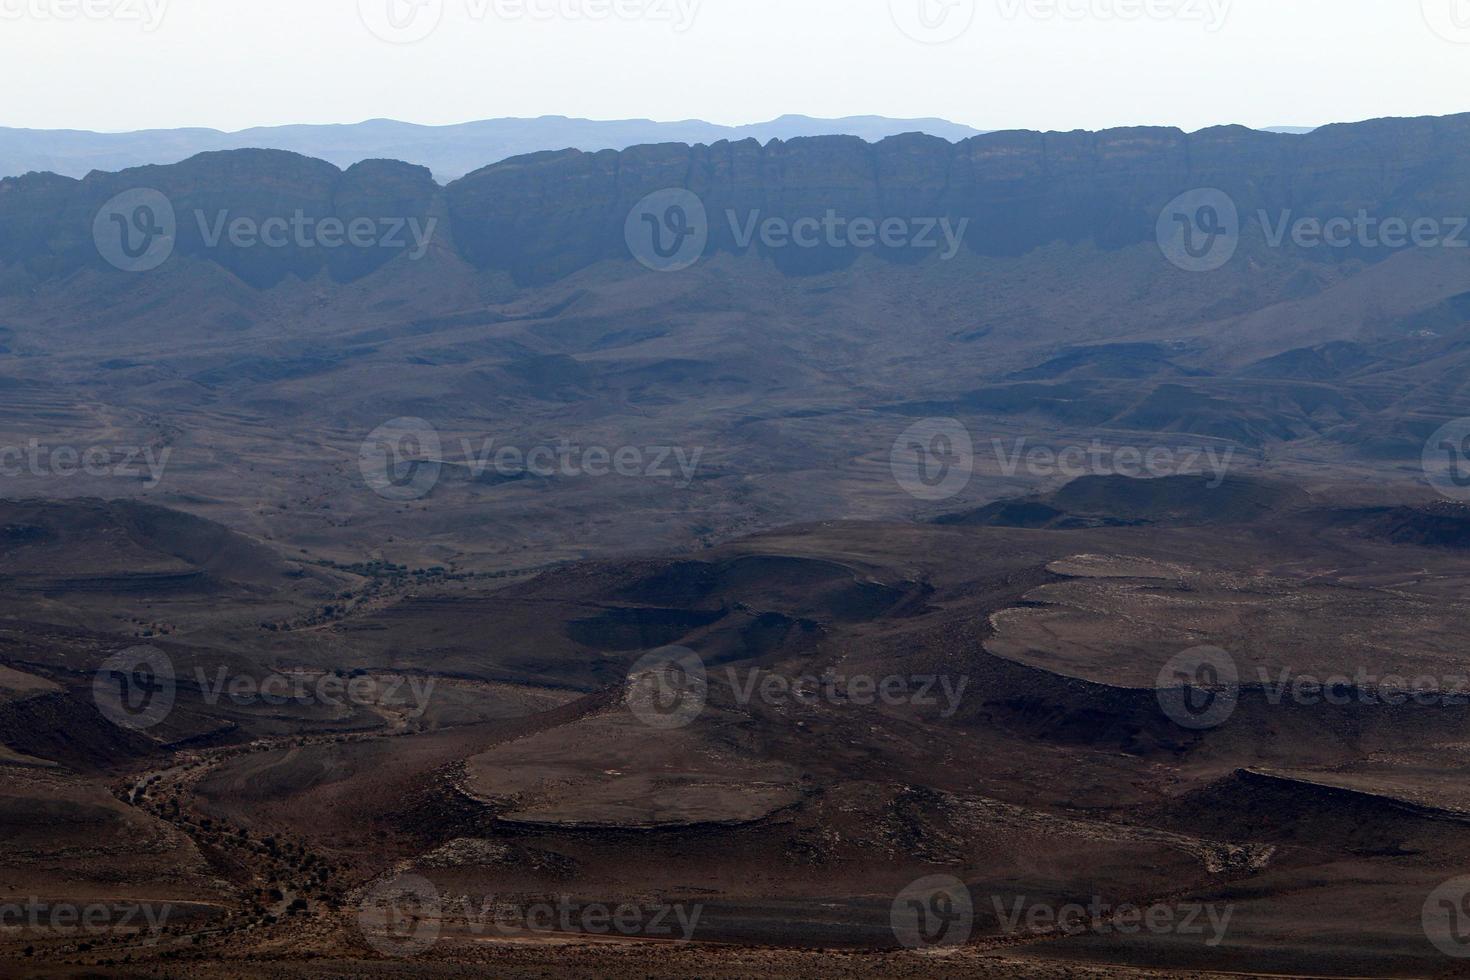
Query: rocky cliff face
[222,203]
[544,216]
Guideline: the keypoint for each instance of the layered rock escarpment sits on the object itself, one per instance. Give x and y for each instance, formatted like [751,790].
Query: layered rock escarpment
[546,215]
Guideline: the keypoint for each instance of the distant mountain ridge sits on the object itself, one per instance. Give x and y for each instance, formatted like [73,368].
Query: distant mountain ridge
[449,152]
[545,215]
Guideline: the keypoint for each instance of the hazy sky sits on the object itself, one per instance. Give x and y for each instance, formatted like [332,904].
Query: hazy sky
[994,64]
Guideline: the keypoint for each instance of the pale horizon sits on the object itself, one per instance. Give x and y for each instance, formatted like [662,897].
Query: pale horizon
[1049,65]
[693,119]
